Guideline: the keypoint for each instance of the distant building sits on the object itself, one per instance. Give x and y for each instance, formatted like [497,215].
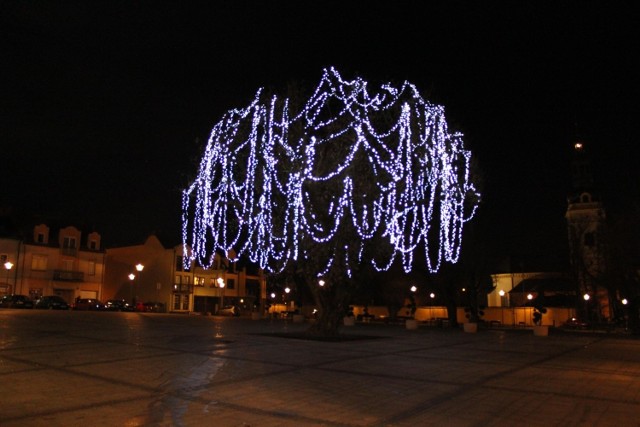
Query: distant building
[550,289]
[585,218]
[64,262]
[151,272]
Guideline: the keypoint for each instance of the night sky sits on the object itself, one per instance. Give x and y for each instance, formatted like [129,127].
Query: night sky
[102,102]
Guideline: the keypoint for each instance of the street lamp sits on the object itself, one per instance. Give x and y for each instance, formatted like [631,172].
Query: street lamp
[432,295]
[132,278]
[624,302]
[274,303]
[287,290]
[220,282]
[586,298]
[139,268]
[8,266]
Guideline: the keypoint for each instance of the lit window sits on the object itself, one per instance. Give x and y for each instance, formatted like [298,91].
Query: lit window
[38,262]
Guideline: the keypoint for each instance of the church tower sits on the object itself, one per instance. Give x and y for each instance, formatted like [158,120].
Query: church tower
[585,218]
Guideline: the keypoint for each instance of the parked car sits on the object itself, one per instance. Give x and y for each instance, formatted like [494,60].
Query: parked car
[575,323]
[153,307]
[229,310]
[118,305]
[52,302]
[88,304]
[16,301]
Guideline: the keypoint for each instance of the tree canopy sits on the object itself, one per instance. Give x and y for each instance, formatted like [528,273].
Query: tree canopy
[350,177]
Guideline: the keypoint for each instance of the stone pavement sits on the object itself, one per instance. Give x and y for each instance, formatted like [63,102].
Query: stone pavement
[134,369]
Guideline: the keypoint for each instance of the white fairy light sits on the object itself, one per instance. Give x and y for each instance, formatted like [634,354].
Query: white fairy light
[256,187]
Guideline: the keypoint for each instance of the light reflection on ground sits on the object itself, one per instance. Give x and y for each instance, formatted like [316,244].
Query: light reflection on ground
[181,388]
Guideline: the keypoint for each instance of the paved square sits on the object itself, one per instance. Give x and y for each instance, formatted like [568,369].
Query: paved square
[145,369]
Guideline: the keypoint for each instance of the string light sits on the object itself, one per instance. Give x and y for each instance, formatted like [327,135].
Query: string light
[262,184]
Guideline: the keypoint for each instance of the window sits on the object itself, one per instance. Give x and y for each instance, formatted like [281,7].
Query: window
[176,301]
[198,281]
[181,283]
[93,245]
[92,268]
[179,264]
[38,262]
[69,243]
[3,258]
[180,302]
[40,238]
[231,283]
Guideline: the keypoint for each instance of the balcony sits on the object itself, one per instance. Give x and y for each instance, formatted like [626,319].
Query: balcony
[69,251]
[68,276]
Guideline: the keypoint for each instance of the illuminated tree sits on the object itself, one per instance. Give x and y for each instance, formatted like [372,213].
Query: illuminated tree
[349,180]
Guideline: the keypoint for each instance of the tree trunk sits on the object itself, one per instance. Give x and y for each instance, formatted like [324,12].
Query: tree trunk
[332,301]
[328,322]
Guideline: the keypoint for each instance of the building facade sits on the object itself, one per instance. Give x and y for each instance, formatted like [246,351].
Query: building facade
[151,272]
[64,262]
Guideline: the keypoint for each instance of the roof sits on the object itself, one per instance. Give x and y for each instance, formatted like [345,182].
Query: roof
[542,285]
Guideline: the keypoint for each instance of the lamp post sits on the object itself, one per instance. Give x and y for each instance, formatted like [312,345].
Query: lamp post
[412,302]
[274,304]
[530,297]
[286,291]
[139,268]
[432,296]
[131,279]
[8,266]
[586,298]
[220,282]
